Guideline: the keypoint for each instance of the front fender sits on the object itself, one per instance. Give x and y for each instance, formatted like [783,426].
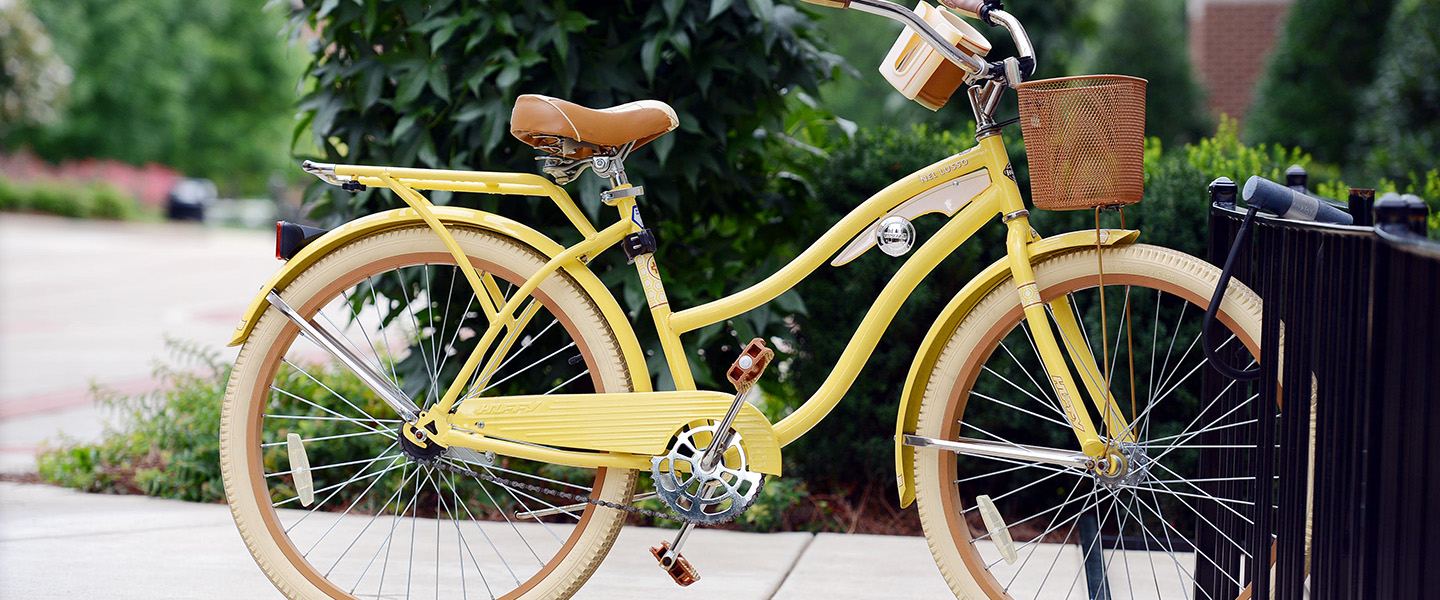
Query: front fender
[950,318]
[458,217]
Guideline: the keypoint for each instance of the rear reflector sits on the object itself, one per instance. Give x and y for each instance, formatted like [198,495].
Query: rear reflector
[291,237]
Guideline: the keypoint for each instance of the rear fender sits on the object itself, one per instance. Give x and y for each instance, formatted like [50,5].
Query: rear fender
[950,318]
[452,216]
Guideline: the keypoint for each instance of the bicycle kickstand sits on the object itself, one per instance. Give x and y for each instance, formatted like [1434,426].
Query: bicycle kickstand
[745,371]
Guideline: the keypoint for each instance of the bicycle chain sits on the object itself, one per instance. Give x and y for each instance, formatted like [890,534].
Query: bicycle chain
[501,481]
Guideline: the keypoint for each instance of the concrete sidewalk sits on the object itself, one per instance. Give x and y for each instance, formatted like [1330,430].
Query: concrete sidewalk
[85,302]
[59,543]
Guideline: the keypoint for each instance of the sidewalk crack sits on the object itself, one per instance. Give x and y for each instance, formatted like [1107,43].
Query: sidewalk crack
[790,569]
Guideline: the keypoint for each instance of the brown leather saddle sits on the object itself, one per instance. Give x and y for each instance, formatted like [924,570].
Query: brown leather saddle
[573,131]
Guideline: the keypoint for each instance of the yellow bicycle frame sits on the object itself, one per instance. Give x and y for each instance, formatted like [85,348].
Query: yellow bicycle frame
[971,187]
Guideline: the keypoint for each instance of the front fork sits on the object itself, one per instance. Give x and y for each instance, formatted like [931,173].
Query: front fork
[1018,239]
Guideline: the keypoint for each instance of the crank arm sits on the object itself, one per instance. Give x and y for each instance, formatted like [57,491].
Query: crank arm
[362,369]
[1054,456]
[545,512]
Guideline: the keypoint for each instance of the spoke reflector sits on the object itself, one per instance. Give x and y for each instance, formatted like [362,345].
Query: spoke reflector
[300,469]
[999,531]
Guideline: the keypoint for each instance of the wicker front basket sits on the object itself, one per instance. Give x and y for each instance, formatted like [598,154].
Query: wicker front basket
[1085,140]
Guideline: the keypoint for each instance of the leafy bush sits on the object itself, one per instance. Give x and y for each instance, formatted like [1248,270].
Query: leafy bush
[108,202]
[94,200]
[432,84]
[161,444]
[13,198]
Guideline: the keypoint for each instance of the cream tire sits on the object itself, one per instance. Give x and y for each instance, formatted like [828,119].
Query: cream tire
[248,391]
[938,494]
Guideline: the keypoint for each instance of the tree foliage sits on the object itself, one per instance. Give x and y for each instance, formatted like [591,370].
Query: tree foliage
[1311,90]
[1399,137]
[34,82]
[431,84]
[205,86]
[1146,38]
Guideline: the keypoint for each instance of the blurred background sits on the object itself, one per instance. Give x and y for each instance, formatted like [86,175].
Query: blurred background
[147,146]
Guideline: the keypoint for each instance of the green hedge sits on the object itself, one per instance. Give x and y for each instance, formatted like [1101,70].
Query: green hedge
[81,201]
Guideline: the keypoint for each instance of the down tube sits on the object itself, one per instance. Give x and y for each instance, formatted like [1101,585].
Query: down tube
[877,320]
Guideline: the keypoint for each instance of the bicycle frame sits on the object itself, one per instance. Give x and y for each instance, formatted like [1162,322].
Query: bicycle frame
[971,187]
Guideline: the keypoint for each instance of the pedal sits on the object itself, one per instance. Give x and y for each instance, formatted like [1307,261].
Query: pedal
[675,564]
[751,363]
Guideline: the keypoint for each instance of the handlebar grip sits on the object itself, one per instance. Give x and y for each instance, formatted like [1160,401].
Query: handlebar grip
[1290,204]
[969,8]
[830,3]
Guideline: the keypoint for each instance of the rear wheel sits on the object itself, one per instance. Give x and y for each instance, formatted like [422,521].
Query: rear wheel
[1168,527]
[322,494]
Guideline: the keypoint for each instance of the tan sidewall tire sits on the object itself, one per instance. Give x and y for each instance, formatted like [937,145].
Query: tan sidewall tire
[1140,264]
[255,366]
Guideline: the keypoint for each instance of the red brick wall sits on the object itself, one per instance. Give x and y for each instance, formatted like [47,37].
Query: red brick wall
[1230,42]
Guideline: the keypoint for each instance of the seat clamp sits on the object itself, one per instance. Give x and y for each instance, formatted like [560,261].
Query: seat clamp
[612,196]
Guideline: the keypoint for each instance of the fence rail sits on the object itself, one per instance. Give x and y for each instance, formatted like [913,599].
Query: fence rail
[1350,353]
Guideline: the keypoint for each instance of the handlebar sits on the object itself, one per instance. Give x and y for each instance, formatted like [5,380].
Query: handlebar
[1291,204]
[988,11]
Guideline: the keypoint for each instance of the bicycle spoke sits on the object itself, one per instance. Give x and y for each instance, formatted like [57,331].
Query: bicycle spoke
[382,456]
[392,498]
[328,389]
[485,535]
[1024,410]
[327,437]
[1167,525]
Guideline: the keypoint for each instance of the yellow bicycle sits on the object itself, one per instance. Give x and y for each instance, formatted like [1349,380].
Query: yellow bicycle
[445,402]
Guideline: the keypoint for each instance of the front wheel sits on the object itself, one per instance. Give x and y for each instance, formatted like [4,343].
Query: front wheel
[325,498]
[1168,527]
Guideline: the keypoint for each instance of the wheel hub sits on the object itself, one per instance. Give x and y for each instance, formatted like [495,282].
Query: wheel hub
[426,452]
[1130,466]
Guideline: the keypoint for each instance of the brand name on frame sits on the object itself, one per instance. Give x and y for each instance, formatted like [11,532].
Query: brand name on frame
[943,170]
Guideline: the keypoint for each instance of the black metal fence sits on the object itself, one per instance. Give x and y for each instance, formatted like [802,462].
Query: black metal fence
[1351,355]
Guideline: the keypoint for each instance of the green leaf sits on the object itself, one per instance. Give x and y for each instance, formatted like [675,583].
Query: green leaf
[508,76]
[470,113]
[663,145]
[650,57]
[575,21]
[764,9]
[443,36]
[790,302]
[504,24]
[717,7]
[681,42]
[427,152]
[440,81]
[403,127]
[672,8]
[411,86]
[371,82]
[562,45]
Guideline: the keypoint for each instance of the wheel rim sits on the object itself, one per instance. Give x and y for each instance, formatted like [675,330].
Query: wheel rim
[1145,507]
[339,539]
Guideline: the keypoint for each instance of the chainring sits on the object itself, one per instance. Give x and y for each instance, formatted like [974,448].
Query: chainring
[703,496]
